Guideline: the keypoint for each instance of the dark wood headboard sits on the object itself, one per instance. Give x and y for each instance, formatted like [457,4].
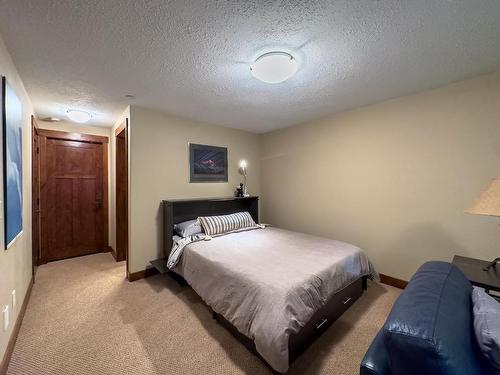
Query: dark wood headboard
[179,210]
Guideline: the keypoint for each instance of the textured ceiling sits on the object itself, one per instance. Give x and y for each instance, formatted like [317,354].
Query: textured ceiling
[191,58]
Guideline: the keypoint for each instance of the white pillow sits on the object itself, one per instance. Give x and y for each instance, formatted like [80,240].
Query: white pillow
[188,228]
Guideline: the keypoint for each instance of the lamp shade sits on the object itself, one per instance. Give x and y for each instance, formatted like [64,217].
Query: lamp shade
[243,168]
[488,203]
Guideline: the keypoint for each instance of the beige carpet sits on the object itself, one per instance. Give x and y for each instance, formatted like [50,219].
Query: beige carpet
[85,318]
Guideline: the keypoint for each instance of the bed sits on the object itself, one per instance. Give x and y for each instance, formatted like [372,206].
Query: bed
[275,290]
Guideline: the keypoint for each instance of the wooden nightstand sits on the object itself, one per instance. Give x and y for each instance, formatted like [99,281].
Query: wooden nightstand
[473,269]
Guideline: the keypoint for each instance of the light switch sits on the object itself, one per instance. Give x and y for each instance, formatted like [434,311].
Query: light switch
[5,313]
[13,299]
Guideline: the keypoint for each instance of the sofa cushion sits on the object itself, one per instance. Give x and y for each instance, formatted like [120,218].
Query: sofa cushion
[429,330]
[487,326]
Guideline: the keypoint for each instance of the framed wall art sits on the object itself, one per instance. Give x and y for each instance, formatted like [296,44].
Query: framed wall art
[207,163]
[12,116]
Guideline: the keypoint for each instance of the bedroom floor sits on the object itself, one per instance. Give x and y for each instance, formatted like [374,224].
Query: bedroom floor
[85,318]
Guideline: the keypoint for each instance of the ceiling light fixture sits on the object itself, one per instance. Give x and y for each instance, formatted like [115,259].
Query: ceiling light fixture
[78,116]
[274,67]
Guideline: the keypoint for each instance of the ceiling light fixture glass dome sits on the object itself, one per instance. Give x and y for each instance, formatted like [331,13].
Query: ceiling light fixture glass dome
[78,116]
[274,67]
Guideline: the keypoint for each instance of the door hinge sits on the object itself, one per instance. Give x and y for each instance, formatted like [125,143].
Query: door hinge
[37,150]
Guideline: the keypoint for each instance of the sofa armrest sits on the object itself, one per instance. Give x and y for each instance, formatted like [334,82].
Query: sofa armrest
[429,329]
[376,361]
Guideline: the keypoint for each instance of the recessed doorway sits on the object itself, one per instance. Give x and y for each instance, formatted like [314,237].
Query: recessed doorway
[73,181]
[121,167]
[36,247]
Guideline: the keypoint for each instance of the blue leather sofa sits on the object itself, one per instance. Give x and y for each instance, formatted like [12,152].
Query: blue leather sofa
[430,328]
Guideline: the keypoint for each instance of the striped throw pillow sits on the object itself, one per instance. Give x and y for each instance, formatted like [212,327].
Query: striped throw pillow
[226,223]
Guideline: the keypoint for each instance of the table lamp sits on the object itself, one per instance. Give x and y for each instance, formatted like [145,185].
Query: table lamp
[243,171]
[488,203]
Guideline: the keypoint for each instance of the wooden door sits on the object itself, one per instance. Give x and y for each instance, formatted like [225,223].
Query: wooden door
[35,196]
[121,191]
[73,194]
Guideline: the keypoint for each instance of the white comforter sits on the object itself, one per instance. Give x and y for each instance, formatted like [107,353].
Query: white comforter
[269,282]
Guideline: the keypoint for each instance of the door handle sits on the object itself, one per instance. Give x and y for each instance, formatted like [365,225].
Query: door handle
[346,300]
[323,321]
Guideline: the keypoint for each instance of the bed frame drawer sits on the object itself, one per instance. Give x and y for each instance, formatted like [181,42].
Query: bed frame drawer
[324,318]
[318,323]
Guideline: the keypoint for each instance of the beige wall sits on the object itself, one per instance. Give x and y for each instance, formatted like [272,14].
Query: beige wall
[15,263]
[159,166]
[392,178]
[70,127]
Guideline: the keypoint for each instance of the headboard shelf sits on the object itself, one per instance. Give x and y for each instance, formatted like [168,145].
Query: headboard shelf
[179,210]
[214,199]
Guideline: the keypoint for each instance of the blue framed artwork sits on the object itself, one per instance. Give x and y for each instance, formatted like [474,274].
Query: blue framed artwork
[12,116]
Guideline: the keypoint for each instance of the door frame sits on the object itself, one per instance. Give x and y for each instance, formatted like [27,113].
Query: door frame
[123,128]
[87,138]
[35,197]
